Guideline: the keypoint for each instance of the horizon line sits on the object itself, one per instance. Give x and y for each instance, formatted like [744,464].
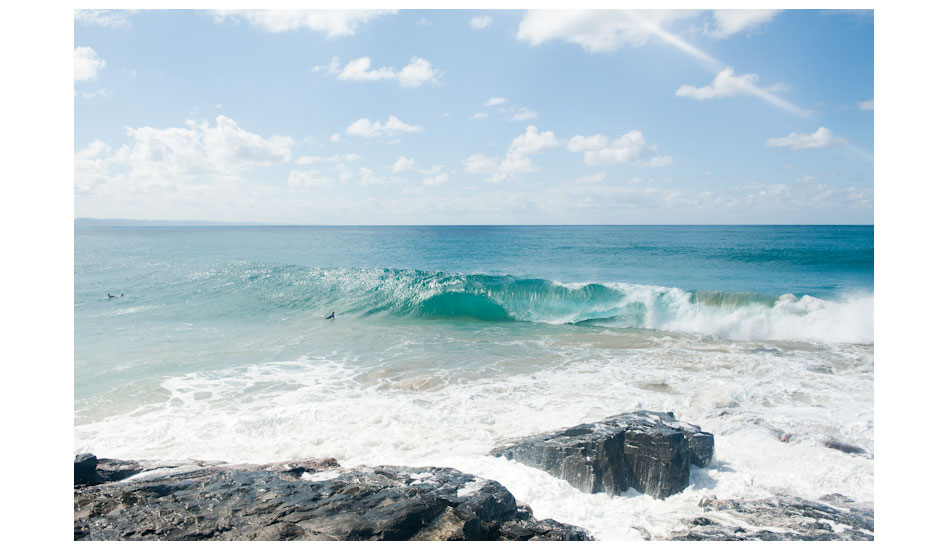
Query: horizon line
[214,223]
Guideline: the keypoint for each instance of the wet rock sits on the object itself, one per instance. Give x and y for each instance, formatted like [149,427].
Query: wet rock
[647,451]
[311,500]
[844,447]
[833,517]
[84,469]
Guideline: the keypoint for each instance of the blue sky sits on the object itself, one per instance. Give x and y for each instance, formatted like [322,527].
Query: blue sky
[475,116]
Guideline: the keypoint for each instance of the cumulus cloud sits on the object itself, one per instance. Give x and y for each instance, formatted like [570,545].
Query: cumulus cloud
[367,177]
[313,159]
[496,101]
[596,30]
[307,179]
[435,180]
[866,105]
[86,64]
[532,142]
[403,164]
[166,158]
[416,73]
[480,22]
[822,137]
[359,70]
[101,92]
[728,84]
[729,22]
[112,19]
[332,23]
[524,113]
[392,127]
[658,161]
[517,160]
[630,147]
[477,116]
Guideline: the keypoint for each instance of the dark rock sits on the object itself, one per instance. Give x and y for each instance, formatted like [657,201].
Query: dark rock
[84,469]
[843,447]
[312,500]
[782,518]
[647,451]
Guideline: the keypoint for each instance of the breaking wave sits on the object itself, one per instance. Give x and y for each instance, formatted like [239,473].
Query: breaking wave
[254,288]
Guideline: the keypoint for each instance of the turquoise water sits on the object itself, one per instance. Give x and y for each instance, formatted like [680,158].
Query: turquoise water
[218,347]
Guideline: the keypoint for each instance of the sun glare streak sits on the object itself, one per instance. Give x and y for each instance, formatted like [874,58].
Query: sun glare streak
[714,64]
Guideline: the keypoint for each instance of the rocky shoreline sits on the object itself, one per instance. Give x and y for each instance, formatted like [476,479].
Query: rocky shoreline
[647,451]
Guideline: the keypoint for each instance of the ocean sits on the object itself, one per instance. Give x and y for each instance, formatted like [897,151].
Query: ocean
[448,340]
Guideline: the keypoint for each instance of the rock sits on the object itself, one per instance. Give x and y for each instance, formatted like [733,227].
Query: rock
[312,500]
[647,451]
[782,518]
[844,447]
[84,469]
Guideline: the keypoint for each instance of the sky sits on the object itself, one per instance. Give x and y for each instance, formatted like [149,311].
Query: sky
[417,117]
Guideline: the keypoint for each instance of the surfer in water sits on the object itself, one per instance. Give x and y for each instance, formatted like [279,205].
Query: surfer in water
[332,315]
[109,296]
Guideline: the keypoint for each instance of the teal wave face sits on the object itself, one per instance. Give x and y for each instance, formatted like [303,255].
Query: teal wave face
[263,293]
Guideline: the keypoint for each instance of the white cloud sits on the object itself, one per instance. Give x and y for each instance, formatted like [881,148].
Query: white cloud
[608,30]
[416,73]
[358,70]
[795,141]
[309,179]
[517,158]
[86,63]
[331,68]
[583,143]
[313,159]
[496,101]
[167,158]
[367,177]
[436,180]
[658,162]
[597,30]
[524,114]
[431,171]
[532,142]
[403,164]
[393,126]
[727,84]
[479,164]
[630,147]
[480,22]
[101,92]
[729,22]
[866,105]
[477,116]
[336,137]
[113,19]
[332,23]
